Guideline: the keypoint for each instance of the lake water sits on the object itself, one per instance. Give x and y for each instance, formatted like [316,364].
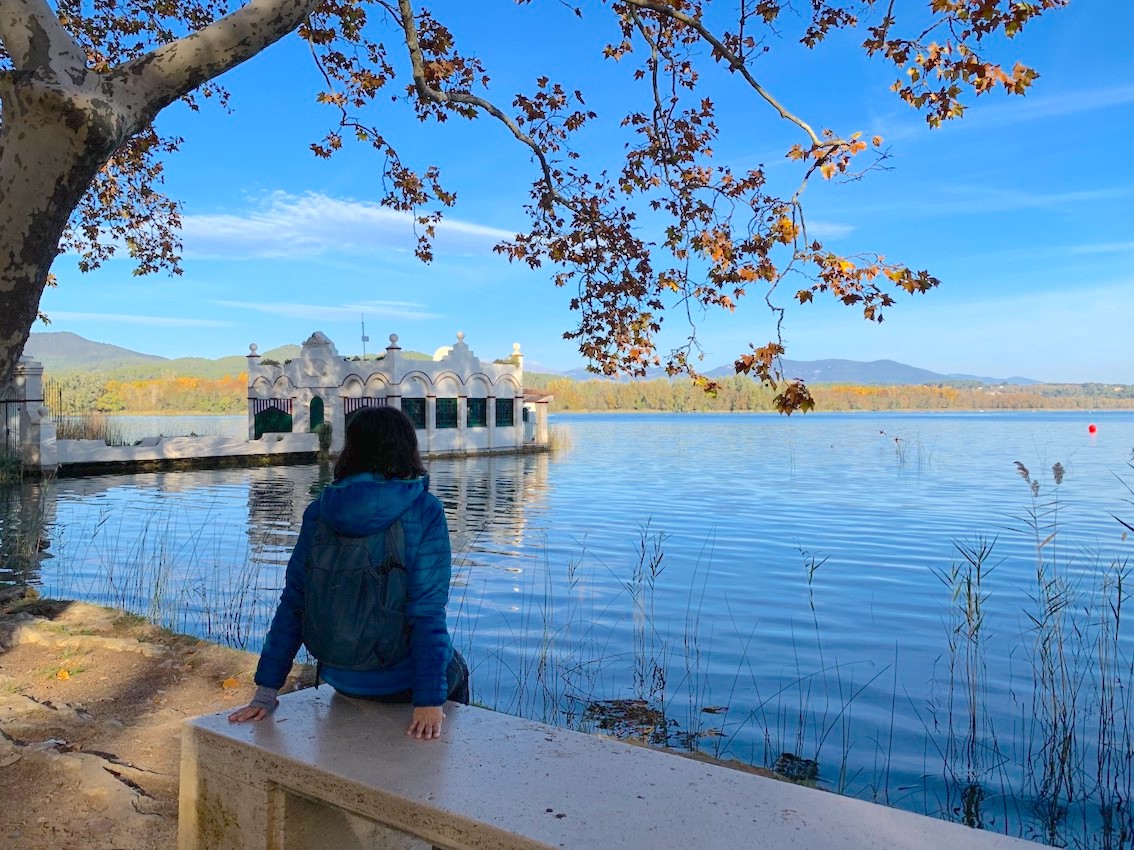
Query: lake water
[747,585]
[132,428]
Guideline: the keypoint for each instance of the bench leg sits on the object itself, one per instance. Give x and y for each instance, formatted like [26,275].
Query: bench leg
[299,823]
[234,805]
[218,810]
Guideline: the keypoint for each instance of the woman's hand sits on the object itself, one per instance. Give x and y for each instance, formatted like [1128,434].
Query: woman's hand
[426,722]
[249,712]
[263,703]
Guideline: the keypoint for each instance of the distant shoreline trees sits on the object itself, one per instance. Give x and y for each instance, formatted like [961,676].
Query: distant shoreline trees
[741,394]
[81,393]
[85,392]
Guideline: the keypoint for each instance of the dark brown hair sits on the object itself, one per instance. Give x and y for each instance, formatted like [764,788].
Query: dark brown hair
[381,440]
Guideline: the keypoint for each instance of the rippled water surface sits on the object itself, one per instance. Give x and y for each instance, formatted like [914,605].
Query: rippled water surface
[748,585]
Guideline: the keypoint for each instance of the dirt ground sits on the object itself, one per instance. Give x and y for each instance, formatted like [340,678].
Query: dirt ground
[91,705]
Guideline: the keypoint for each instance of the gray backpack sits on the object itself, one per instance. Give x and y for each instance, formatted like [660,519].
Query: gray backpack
[354,613]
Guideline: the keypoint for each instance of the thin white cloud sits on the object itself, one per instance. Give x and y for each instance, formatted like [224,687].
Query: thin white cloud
[957,199]
[998,110]
[992,198]
[313,224]
[995,110]
[1041,107]
[376,309]
[1102,248]
[828,229]
[125,318]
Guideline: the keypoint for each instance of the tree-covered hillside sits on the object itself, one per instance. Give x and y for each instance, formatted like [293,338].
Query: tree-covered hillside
[740,393]
[146,384]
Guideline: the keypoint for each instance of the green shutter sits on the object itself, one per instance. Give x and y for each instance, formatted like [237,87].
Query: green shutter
[505,412]
[414,408]
[478,413]
[446,413]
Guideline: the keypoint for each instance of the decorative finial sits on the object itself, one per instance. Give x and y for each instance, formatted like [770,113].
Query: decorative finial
[252,349]
[515,348]
[460,336]
[393,339]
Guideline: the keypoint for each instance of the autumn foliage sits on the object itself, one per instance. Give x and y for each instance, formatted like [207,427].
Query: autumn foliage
[742,394]
[672,230]
[177,395]
[83,392]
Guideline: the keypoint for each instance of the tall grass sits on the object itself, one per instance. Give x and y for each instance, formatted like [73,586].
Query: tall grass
[188,577]
[11,467]
[1066,772]
[23,535]
[89,426]
[1058,638]
[970,750]
[559,439]
[912,453]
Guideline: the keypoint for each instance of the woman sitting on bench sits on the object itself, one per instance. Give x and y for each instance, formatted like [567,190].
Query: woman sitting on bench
[368,581]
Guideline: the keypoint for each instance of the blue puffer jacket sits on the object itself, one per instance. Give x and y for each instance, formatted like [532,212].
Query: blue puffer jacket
[361,505]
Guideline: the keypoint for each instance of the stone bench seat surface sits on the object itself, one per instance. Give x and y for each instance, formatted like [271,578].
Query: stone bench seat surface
[498,781]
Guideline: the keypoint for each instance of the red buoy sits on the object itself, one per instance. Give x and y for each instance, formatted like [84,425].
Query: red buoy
[1092,428]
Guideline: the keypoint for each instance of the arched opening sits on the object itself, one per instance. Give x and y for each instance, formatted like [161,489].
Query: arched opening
[272,420]
[316,412]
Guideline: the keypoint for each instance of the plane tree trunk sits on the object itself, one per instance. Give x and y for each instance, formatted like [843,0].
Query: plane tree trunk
[61,122]
[53,141]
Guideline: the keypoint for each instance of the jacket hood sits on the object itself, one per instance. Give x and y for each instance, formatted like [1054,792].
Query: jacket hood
[367,503]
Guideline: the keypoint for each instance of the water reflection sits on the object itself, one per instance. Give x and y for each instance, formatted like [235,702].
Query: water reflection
[27,516]
[205,551]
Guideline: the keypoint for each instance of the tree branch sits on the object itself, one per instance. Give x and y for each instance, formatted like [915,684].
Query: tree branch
[173,70]
[34,38]
[427,92]
[734,61]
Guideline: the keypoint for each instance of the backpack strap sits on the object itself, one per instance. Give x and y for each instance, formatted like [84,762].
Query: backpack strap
[396,543]
[324,534]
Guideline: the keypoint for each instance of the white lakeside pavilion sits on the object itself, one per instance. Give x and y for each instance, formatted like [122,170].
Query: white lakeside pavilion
[458,404]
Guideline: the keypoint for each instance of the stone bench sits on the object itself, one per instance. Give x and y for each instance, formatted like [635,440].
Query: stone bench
[329,772]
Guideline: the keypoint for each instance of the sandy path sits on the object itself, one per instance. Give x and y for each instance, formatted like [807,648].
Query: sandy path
[91,703]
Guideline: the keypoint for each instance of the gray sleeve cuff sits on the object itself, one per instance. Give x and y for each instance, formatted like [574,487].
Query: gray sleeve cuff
[265,698]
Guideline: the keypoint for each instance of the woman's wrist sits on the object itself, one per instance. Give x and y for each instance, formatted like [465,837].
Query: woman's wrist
[265,698]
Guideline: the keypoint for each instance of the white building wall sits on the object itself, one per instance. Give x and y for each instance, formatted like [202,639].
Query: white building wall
[454,373]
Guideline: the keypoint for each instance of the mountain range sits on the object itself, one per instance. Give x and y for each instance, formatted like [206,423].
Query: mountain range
[872,372]
[63,351]
[861,373]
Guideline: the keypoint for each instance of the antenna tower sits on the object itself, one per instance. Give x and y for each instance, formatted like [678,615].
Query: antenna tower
[365,338]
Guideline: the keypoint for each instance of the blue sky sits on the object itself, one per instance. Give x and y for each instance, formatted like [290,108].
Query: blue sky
[1024,209]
